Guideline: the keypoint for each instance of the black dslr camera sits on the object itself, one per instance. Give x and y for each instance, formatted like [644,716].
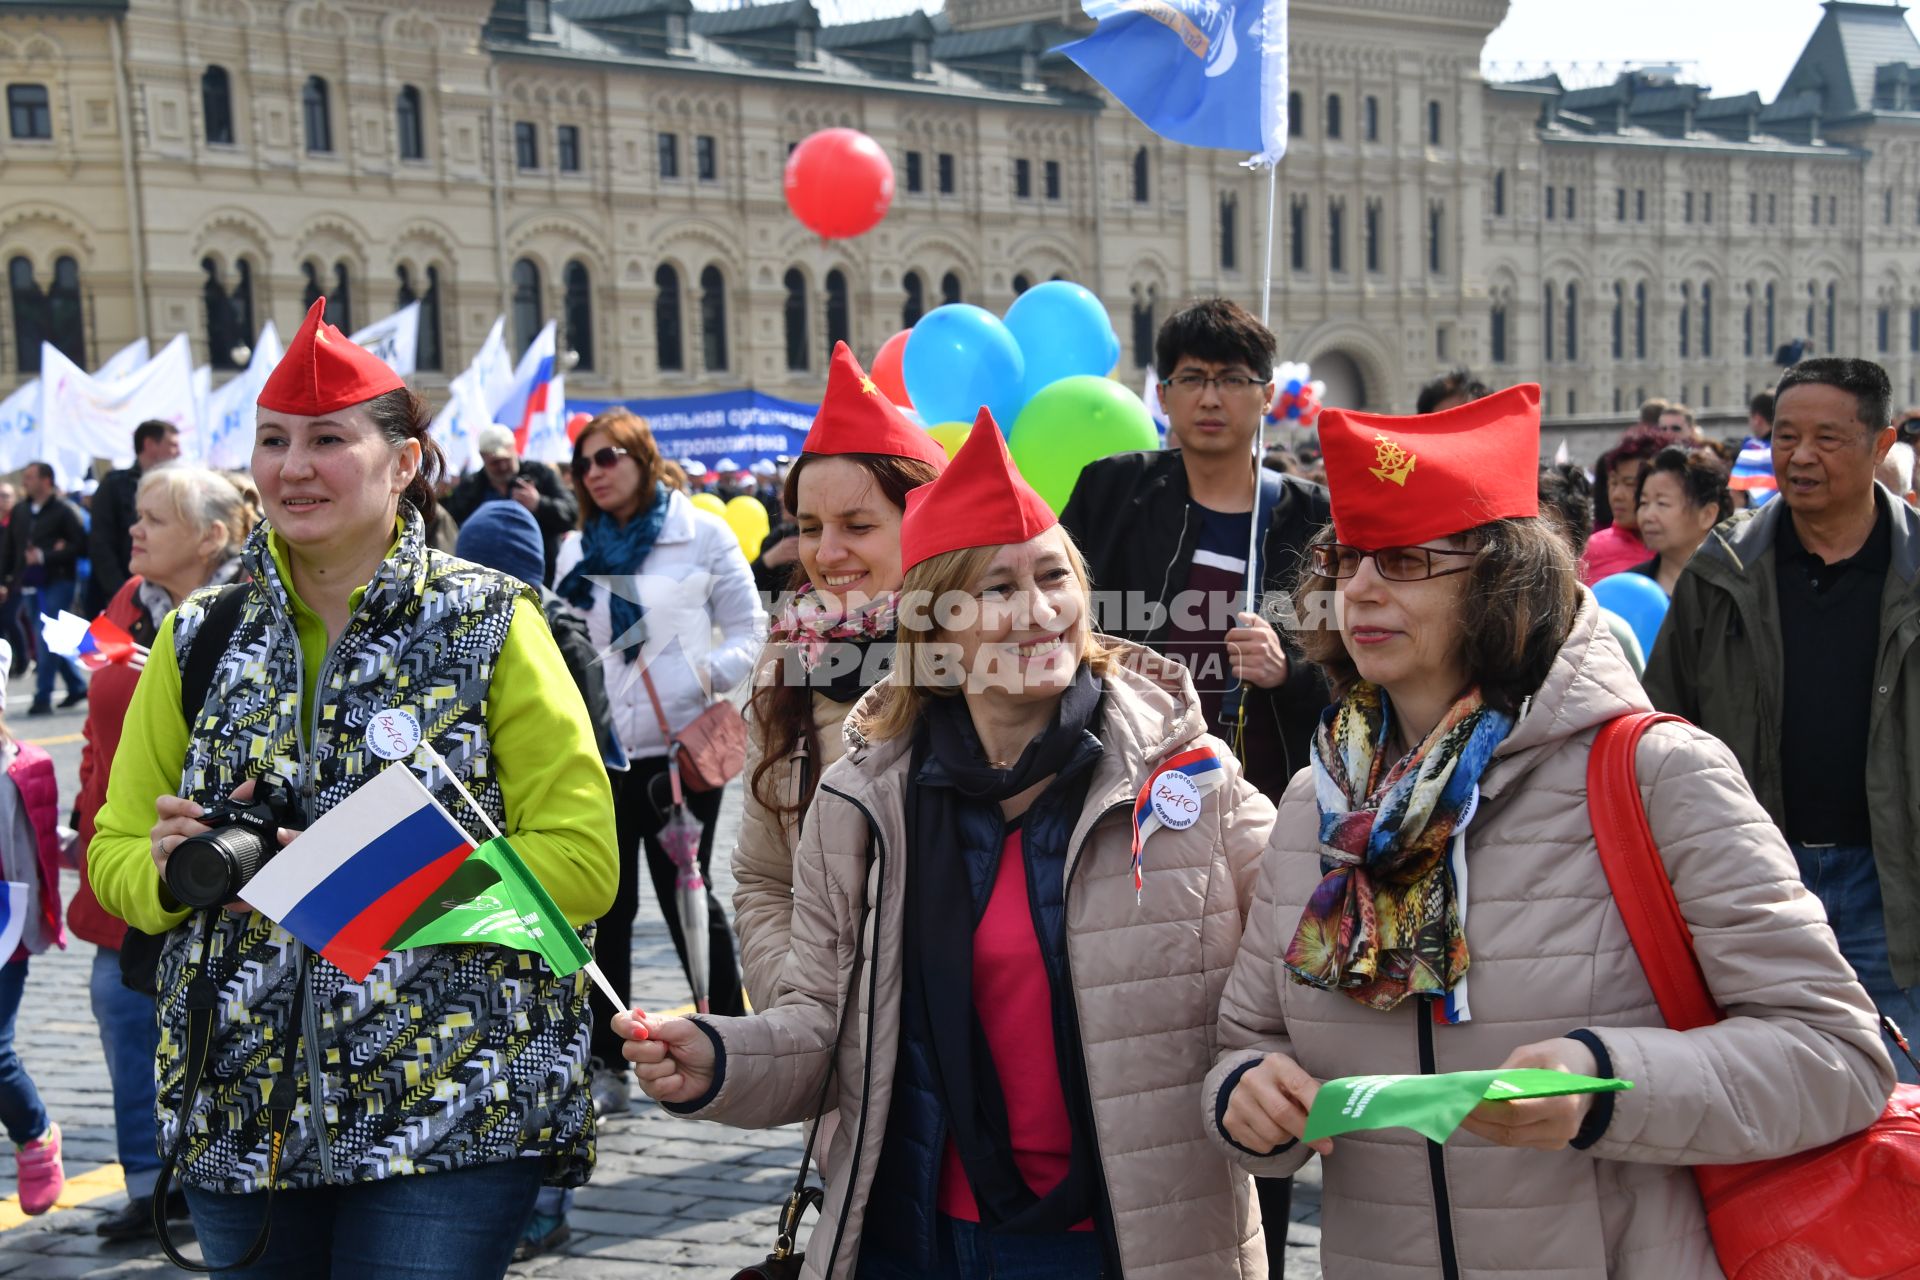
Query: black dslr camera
[209,870]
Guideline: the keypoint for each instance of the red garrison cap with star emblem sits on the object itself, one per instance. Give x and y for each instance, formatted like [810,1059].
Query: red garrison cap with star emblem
[980,500]
[324,370]
[1398,482]
[856,417]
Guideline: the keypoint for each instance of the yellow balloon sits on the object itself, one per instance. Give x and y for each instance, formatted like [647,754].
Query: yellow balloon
[951,435]
[710,502]
[750,513]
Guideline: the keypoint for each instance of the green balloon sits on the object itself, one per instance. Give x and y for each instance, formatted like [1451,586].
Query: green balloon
[1072,422]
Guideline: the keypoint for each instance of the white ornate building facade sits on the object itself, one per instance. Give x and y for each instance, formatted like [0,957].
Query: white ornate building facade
[201,165]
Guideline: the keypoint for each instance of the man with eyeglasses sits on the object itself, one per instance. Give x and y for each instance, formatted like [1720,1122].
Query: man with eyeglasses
[1167,533]
[1791,638]
[503,476]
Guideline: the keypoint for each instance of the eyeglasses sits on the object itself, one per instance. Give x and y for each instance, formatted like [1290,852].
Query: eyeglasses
[601,458]
[1190,384]
[1396,564]
[1910,429]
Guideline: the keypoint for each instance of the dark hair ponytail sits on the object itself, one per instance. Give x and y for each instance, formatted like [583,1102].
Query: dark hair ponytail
[401,416]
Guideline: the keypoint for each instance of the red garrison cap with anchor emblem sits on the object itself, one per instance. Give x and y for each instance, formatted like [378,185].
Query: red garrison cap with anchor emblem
[1398,482]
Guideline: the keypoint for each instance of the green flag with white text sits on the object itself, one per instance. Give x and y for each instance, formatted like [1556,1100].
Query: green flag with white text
[1434,1106]
[493,898]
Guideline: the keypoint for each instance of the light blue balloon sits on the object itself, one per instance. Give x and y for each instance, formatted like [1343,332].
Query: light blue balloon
[1064,331]
[1639,600]
[959,358]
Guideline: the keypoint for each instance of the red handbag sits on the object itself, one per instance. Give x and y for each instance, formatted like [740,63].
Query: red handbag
[1847,1211]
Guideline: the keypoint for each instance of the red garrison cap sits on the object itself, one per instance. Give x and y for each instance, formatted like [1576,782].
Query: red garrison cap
[856,417]
[980,500]
[1397,482]
[324,370]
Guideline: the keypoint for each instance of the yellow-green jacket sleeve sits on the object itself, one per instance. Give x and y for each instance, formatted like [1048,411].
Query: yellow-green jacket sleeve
[146,765]
[552,782]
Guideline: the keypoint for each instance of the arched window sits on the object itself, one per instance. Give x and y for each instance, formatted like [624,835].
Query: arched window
[796,319]
[916,304]
[1433,124]
[579,314]
[1619,321]
[1573,321]
[1706,319]
[340,302]
[312,291]
[430,354]
[1333,115]
[1296,112]
[1686,318]
[66,326]
[242,296]
[1021,283]
[1640,324]
[713,320]
[1229,233]
[29,314]
[1747,323]
[1548,307]
[668,354]
[1499,193]
[949,288]
[1497,334]
[1813,293]
[837,330]
[216,105]
[528,313]
[1772,300]
[1143,331]
[221,339]
[1140,176]
[319,121]
[1833,291]
[408,124]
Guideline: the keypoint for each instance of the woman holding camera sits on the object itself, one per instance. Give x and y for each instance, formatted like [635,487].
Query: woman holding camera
[192,524]
[1434,900]
[429,1102]
[1012,1014]
[832,643]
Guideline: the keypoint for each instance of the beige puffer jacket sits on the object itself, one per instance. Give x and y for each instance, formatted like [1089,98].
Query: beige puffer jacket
[1147,979]
[1797,1063]
[763,856]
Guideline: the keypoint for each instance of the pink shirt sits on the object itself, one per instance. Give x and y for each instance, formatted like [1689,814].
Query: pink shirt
[1014,1003]
[1610,551]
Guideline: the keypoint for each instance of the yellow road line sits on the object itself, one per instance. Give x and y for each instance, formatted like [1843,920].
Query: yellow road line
[59,741]
[83,1188]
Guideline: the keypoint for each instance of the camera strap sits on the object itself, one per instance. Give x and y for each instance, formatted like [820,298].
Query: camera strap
[202,1004]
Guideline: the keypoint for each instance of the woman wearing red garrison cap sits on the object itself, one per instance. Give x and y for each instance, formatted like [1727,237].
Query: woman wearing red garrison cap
[399,1125]
[1472,673]
[1012,1013]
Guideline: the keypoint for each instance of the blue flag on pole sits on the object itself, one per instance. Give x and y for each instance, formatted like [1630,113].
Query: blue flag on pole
[1209,73]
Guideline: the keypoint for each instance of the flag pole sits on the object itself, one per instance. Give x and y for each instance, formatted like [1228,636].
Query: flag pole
[593,966]
[1259,432]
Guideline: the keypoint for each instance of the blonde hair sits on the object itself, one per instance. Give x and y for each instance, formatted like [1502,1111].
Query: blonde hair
[202,498]
[912,681]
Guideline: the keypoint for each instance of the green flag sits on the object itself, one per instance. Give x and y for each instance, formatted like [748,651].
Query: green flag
[493,898]
[1434,1106]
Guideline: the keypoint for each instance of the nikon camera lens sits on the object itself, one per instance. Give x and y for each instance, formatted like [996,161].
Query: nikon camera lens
[210,869]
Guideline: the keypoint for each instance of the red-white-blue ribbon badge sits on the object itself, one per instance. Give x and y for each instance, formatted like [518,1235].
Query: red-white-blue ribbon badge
[1172,798]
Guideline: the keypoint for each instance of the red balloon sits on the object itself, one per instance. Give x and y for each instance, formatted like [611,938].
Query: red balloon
[576,424]
[887,373]
[839,183]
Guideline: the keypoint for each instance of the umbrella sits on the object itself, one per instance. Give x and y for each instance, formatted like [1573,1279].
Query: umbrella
[680,837]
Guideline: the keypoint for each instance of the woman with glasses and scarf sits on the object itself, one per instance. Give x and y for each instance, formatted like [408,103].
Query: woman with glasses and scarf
[831,643]
[655,577]
[1433,901]
[1011,1011]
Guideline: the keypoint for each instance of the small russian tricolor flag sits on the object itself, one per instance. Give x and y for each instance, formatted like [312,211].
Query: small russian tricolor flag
[95,645]
[1196,772]
[351,880]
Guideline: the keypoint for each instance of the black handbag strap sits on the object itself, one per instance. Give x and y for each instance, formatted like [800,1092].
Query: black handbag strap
[217,625]
[202,1004]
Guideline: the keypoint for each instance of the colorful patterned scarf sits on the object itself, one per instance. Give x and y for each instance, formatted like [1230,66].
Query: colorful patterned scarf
[1385,922]
[809,624]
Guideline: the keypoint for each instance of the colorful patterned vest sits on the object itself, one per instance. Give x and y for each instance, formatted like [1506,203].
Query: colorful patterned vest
[445,1057]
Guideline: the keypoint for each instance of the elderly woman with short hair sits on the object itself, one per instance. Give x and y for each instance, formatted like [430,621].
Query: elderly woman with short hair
[1472,674]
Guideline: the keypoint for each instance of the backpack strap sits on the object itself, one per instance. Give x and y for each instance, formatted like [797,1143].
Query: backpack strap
[217,625]
[1638,876]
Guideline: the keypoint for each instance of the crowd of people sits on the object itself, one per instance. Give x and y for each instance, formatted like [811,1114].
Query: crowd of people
[1077,851]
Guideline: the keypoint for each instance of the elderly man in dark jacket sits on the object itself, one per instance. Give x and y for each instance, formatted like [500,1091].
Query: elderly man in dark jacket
[534,485]
[1794,637]
[156,442]
[39,559]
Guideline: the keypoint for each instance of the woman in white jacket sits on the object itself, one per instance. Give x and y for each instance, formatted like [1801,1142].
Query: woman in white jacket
[656,577]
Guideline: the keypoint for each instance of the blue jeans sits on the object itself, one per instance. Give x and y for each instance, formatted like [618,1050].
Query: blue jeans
[49,600]
[20,1107]
[130,1040]
[1847,883]
[461,1225]
[964,1251]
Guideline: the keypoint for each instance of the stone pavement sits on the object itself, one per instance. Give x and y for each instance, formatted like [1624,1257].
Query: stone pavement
[669,1198]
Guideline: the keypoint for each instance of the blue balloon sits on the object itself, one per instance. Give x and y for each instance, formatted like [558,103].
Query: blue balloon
[959,358]
[1064,332]
[1639,600]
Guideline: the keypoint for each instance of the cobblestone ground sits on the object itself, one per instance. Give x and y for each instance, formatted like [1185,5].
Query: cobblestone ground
[669,1198]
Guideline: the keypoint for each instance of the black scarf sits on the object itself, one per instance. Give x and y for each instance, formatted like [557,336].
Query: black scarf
[948,757]
[852,667]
